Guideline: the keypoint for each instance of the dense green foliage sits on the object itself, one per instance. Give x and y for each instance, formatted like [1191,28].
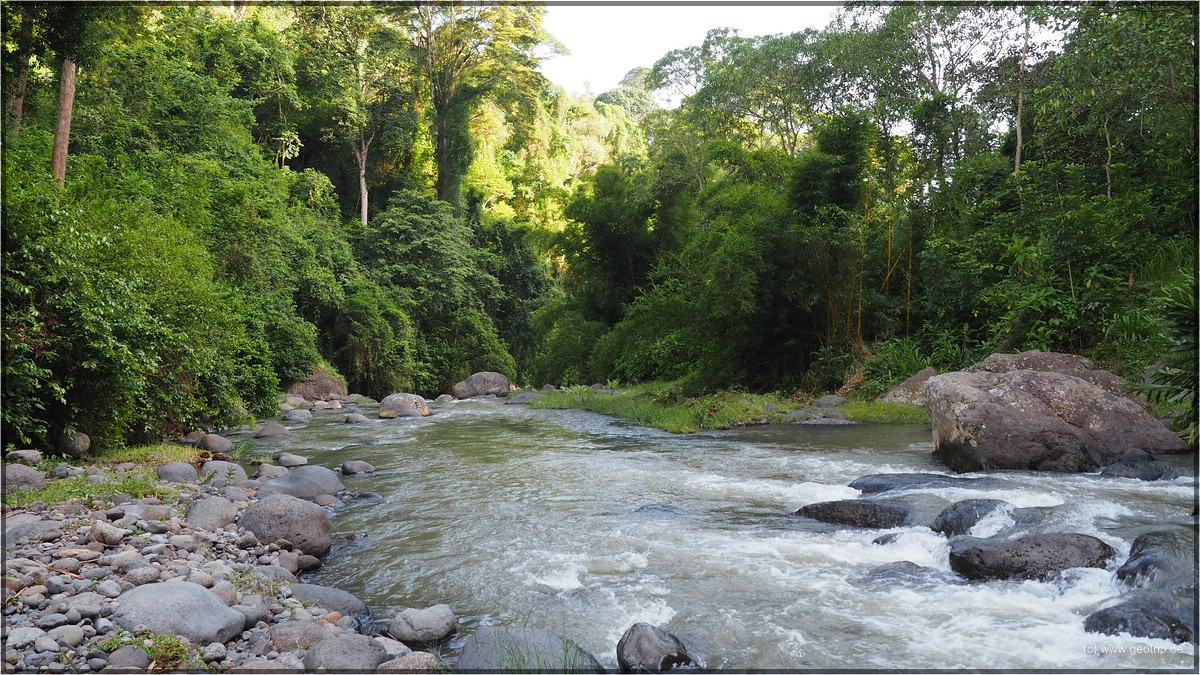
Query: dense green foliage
[394,193]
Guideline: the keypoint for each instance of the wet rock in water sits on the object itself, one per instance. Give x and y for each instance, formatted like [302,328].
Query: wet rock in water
[215,443]
[272,430]
[962,516]
[345,653]
[887,482]
[289,460]
[178,472]
[356,466]
[281,516]
[1141,470]
[901,569]
[508,648]
[403,405]
[211,514]
[423,626]
[1162,614]
[480,384]
[268,471]
[218,473]
[649,649]
[304,482]
[525,398]
[333,599]
[1009,413]
[1035,556]
[661,510]
[188,610]
[357,418]
[869,513]
[1164,559]
[298,415]
[21,477]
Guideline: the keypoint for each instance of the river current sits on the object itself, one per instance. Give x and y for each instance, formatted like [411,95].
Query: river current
[584,524]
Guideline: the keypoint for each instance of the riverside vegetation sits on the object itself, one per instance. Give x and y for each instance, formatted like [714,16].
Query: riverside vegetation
[204,205]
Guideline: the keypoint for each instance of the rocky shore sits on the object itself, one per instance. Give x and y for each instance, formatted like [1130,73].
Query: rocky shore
[207,578]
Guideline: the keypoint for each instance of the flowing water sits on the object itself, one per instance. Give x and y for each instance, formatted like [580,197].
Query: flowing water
[583,524]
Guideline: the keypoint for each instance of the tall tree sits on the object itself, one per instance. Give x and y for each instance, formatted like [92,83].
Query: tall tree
[351,54]
[465,50]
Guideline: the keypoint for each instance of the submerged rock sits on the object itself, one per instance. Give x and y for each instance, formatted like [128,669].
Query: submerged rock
[649,649]
[1141,470]
[1035,556]
[887,482]
[870,513]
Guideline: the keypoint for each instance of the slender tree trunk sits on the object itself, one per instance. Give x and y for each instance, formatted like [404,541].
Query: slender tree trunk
[24,45]
[1108,161]
[360,159]
[62,128]
[1021,96]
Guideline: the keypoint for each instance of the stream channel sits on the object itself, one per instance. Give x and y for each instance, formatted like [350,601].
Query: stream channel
[583,524]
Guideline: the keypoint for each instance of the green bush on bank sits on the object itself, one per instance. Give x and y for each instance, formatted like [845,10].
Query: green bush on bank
[663,406]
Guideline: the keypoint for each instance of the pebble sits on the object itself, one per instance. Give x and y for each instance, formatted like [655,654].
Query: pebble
[109,589]
[45,644]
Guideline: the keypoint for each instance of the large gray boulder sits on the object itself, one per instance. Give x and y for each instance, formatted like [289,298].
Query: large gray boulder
[480,384]
[1037,420]
[649,649]
[870,513]
[215,443]
[418,627]
[272,430]
[507,648]
[403,405]
[75,444]
[211,514]
[21,477]
[350,653]
[281,516]
[322,384]
[219,473]
[178,472]
[1053,362]
[188,610]
[1035,556]
[333,599]
[304,482]
[910,391]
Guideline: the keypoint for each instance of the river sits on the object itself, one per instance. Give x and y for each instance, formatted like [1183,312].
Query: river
[584,525]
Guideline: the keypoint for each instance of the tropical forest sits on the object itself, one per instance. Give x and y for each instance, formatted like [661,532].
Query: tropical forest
[205,203]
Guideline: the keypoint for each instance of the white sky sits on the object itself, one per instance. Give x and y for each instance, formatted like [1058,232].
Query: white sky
[607,41]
